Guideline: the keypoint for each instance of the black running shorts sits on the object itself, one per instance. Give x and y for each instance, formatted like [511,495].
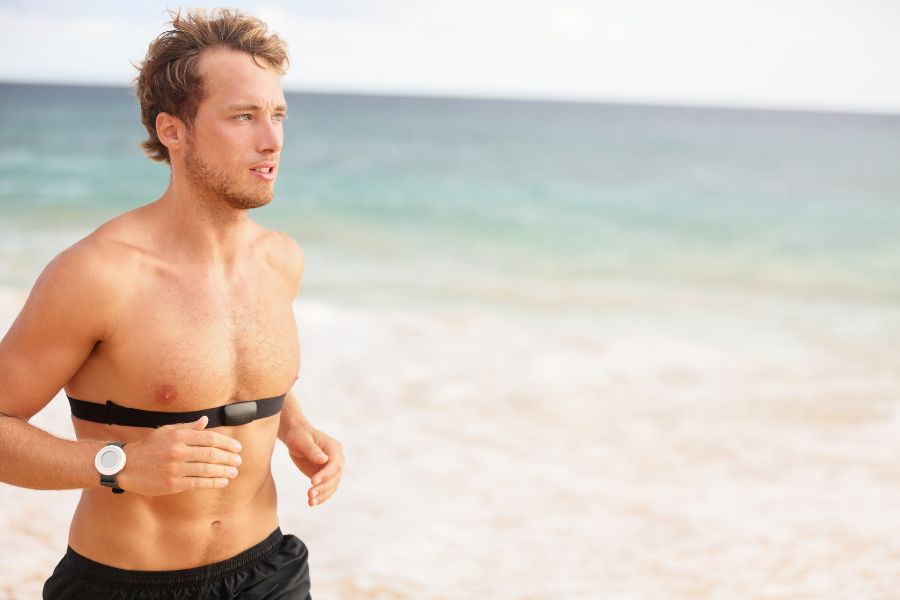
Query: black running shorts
[274,568]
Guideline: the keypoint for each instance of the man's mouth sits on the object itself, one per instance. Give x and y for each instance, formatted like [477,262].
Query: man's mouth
[264,172]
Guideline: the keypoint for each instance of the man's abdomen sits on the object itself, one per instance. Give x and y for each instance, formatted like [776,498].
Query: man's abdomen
[184,530]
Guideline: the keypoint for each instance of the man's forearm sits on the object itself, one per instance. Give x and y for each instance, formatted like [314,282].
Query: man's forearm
[32,458]
[291,415]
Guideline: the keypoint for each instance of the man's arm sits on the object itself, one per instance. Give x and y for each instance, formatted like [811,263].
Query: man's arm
[72,307]
[291,416]
[67,312]
[32,458]
[318,455]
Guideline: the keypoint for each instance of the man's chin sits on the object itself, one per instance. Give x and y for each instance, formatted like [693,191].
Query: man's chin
[248,202]
[264,202]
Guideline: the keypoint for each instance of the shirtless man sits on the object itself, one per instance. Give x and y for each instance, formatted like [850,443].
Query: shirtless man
[183,304]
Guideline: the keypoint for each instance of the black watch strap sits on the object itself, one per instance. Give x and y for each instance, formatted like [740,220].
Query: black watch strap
[110,480]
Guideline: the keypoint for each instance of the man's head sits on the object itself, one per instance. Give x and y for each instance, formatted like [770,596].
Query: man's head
[211,100]
[169,79]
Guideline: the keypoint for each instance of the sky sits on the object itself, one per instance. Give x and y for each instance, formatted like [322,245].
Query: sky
[799,54]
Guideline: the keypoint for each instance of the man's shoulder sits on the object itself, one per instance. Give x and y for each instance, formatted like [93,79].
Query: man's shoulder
[98,263]
[283,253]
[105,249]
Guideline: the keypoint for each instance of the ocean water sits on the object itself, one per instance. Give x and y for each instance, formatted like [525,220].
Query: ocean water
[572,350]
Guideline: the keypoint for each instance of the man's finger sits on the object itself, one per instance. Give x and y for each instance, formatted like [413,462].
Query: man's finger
[321,498]
[212,438]
[317,455]
[198,424]
[197,469]
[323,490]
[323,486]
[208,454]
[199,483]
[326,472]
[310,450]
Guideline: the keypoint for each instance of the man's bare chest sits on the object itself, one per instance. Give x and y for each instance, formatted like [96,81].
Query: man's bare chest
[180,344]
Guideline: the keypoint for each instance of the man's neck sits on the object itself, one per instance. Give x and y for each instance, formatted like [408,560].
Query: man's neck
[202,230]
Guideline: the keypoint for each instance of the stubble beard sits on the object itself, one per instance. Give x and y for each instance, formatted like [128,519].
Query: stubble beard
[218,186]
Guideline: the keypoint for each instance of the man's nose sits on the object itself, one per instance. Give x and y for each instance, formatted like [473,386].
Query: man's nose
[270,136]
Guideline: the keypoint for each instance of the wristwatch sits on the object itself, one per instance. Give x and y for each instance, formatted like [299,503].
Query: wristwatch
[110,461]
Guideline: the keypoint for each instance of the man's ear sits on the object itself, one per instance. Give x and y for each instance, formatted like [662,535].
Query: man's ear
[171,131]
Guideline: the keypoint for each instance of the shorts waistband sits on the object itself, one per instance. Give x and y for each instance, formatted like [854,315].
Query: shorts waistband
[182,577]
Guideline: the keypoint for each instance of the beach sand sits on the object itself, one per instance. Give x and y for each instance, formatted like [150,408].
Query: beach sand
[665,447]
[572,350]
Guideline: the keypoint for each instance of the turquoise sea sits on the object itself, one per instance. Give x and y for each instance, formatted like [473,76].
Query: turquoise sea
[525,203]
[574,350]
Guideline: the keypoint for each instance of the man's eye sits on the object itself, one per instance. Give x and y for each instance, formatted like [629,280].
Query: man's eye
[279,117]
[244,117]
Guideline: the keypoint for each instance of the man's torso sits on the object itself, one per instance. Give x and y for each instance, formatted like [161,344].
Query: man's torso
[185,339]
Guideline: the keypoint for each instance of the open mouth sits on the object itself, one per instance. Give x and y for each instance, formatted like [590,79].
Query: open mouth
[265,172]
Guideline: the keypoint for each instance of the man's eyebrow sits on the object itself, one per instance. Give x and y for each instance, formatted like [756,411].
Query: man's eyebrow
[254,107]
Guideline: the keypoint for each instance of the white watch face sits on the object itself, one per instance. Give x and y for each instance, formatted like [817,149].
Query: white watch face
[110,460]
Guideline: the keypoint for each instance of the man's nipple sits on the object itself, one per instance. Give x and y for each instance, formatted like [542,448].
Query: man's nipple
[166,394]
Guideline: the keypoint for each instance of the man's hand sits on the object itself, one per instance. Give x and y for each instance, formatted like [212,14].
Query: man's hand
[319,456]
[176,458]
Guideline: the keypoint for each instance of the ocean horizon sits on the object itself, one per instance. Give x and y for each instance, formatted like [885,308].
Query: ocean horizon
[573,350]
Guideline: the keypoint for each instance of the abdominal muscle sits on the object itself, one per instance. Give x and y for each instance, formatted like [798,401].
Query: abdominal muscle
[184,530]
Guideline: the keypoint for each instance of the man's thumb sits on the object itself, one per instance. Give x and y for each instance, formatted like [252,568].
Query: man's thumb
[315,453]
[310,449]
[198,424]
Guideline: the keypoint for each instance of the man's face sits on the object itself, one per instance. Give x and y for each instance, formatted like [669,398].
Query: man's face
[232,149]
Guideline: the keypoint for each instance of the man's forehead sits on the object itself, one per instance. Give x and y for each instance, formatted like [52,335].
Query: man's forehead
[233,77]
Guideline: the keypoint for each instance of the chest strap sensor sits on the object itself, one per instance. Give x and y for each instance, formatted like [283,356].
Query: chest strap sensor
[229,415]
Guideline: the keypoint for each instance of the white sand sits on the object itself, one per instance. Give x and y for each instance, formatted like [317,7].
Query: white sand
[666,446]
